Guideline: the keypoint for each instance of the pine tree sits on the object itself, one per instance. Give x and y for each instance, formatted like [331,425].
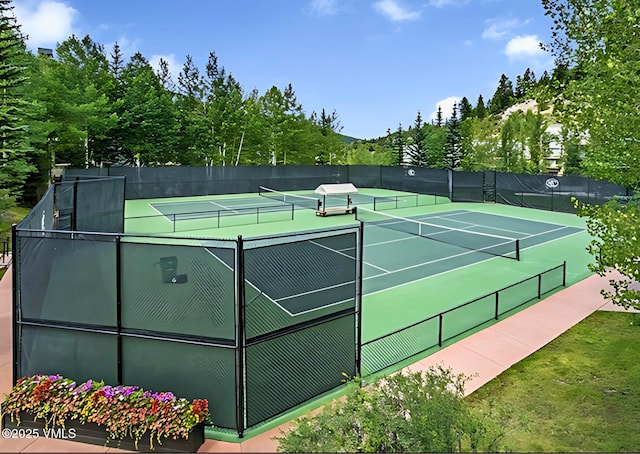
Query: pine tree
[417,147]
[503,97]
[452,146]
[399,145]
[14,162]
[480,111]
[466,109]
[439,119]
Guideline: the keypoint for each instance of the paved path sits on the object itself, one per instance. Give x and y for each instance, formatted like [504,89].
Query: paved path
[484,355]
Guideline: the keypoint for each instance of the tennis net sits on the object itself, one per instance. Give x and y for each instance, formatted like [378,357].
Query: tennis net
[292,199]
[481,242]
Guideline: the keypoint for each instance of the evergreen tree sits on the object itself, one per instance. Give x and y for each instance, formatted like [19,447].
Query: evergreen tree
[466,109]
[15,165]
[399,146]
[452,146]
[439,118]
[503,97]
[417,147]
[480,111]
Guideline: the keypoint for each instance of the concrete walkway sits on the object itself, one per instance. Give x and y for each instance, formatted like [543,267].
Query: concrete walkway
[483,355]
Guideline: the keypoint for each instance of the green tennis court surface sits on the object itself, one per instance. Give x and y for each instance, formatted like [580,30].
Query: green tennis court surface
[406,277]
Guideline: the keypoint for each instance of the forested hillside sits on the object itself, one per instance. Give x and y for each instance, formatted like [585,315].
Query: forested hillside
[88,106]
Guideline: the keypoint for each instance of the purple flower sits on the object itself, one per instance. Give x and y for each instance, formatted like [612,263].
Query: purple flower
[86,386]
[146,394]
[165,397]
[55,377]
[108,392]
[129,389]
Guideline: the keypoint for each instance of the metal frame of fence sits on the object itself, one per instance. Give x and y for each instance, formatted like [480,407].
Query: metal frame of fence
[242,343]
[496,315]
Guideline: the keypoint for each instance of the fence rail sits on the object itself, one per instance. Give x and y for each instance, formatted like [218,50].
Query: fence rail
[390,349]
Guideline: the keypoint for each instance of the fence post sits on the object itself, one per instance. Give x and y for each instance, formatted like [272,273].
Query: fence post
[240,337]
[119,308]
[539,285]
[14,306]
[360,252]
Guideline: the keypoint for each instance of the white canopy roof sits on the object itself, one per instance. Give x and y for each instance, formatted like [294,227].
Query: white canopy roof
[336,189]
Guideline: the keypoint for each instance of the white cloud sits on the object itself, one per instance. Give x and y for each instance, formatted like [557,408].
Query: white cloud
[323,7]
[498,29]
[174,66]
[442,3]
[394,11]
[46,23]
[447,107]
[523,47]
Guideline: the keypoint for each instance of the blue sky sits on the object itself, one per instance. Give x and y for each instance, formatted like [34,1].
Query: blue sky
[375,62]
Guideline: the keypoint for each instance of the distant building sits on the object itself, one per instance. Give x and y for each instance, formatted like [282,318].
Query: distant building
[45,51]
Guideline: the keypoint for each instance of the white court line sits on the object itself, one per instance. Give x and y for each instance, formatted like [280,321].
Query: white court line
[309,292]
[461,267]
[473,225]
[549,231]
[260,292]
[222,206]
[347,255]
[163,215]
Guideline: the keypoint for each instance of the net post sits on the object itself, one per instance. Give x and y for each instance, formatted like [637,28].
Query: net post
[293,208]
[564,273]
[396,197]
[174,223]
[360,265]
[497,314]
[15,351]
[257,215]
[518,249]
[240,337]
[440,330]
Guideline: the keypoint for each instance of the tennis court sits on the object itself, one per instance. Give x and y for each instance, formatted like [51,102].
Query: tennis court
[410,242]
[265,285]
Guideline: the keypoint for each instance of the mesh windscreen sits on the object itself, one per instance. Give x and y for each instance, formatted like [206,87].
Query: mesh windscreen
[178,289]
[517,295]
[296,281]
[189,371]
[467,186]
[419,179]
[294,368]
[100,205]
[68,280]
[73,354]
[551,280]
[41,217]
[365,176]
[390,350]
[467,317]
[64,204]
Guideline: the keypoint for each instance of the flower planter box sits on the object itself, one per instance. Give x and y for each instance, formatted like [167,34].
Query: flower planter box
[97,435]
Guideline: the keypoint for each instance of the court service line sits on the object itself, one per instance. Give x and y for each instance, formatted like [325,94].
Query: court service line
[271,300]
[460,267]
[346,255]
[162,214]
[429,263]
[309,292]
[548,231]
[473,224]
[222,206]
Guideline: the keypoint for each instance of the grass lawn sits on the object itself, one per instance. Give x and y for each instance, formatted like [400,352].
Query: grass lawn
[579,393]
